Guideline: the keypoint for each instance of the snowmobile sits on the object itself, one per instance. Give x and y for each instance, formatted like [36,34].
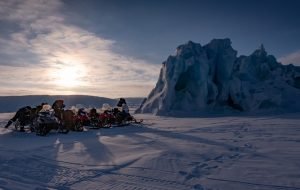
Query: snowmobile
[94,118]
[81,119]
[46,121]
[95,122]
[107,119]
[123,119]
[116,118]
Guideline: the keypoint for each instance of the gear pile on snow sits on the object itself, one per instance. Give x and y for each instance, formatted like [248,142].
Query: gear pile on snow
[212,78]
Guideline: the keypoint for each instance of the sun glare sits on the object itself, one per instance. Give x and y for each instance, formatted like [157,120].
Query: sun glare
[69,76]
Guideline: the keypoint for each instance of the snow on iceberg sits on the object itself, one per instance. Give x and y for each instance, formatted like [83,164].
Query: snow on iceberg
[212,78]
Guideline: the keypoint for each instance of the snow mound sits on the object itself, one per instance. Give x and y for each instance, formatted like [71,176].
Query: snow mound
[212,78]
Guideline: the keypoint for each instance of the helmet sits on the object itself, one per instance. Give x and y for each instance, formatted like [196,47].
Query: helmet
[121,101]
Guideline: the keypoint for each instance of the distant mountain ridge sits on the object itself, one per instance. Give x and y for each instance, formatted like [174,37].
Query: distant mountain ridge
[13,103]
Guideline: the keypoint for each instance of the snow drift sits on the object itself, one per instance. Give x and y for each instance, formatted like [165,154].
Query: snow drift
[212,78]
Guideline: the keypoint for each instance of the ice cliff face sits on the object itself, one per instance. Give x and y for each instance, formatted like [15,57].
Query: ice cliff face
[212,77]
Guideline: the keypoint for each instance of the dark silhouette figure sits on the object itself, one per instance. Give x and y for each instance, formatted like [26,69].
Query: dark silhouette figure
[23,115]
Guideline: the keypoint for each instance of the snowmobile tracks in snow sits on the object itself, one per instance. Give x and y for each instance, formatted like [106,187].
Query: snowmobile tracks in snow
[42,174]
[260,185]
[116,180]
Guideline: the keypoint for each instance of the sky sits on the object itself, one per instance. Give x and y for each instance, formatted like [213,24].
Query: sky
[114,48]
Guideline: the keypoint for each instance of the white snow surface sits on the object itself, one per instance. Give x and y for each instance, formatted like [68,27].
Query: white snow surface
[165,153]
[211,78]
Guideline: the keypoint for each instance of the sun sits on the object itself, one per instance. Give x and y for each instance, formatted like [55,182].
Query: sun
[68,76]
[68,71]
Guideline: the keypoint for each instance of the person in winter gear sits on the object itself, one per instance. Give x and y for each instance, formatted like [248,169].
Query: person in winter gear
[81,112]
[124,114]
[82,117]
[121,101]
[68,119]
[23,115]
[58,104]
[58,107]
[94,118]
[93,113]
[123,105]
[115,111]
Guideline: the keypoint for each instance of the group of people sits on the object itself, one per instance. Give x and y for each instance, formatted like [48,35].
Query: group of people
[25,115]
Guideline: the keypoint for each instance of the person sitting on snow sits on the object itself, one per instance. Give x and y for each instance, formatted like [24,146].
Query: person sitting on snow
[23,115]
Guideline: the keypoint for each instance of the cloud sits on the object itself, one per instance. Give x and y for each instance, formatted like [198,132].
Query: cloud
[35,56]
[293,58]
[29,10]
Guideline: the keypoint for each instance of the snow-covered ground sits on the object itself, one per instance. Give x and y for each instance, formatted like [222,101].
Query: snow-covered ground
[225,152]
